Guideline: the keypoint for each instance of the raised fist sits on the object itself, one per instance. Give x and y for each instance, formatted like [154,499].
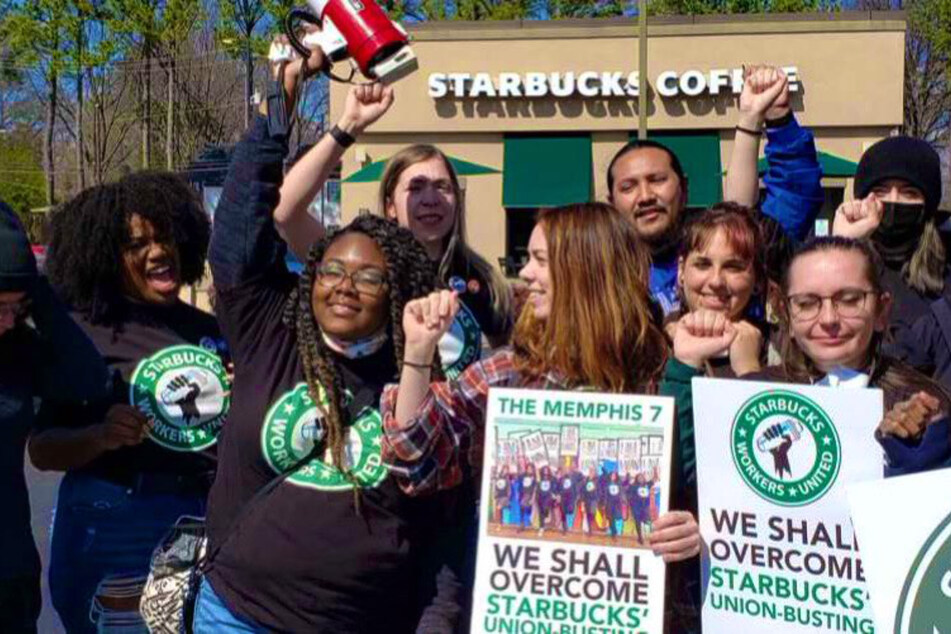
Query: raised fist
[746,348]
[701,335]
[765,93]
[183,391]
[365,104]
[858,219]
[909,418]
[425,321]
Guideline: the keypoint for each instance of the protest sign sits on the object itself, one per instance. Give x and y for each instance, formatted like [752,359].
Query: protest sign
[553,446]
[533,445]
[563,549]
[904,527]
[569,441]
[773,463]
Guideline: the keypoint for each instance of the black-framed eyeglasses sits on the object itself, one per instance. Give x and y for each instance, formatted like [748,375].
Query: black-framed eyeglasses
[848,302]
[366,281]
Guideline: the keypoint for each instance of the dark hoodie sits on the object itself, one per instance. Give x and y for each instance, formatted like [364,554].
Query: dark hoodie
[44,356]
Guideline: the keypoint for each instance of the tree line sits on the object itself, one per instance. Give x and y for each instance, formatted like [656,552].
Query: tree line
[90,89]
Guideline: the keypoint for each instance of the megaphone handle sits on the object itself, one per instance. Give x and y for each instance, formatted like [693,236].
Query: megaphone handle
[303,16]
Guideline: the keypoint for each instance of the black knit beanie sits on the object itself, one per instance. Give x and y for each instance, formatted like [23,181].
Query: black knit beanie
[17,264]
[903,157]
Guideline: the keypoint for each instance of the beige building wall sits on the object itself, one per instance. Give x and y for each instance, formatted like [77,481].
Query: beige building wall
[850,67]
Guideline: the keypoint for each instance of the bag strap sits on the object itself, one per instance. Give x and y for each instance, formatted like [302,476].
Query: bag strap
[262,493]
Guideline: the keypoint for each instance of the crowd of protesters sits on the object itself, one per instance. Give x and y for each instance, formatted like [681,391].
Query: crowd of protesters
[361,384]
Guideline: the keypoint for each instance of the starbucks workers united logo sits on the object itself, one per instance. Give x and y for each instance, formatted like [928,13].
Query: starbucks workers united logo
[292,427]
[924,606]
[185,393]
[462,344]
[785,447]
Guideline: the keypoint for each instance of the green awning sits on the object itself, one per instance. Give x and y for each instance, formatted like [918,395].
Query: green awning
[374,171]
[699,154]
[547,171]
[832,166]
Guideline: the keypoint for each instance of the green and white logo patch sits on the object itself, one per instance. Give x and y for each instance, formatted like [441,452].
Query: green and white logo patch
[924,606]
[185,392]
[293,425]
[785,448]
[461,346]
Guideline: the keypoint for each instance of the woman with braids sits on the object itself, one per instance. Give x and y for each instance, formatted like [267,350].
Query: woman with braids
[419,190]
[587,267]
[141,458]
[336,547]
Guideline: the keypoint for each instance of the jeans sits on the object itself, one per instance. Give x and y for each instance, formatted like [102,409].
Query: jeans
[103,538]
[212,616]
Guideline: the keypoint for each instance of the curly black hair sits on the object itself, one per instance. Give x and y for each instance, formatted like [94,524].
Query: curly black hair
[409,274]
[89,233]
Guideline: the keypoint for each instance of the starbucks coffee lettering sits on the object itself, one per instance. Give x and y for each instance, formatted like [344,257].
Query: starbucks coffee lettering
[591,83]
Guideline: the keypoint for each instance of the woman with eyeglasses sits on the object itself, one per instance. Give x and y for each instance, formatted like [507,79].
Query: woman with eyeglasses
[834,317]
[336,547]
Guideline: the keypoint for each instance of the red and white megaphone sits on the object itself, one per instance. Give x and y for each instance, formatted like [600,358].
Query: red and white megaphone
[360,30]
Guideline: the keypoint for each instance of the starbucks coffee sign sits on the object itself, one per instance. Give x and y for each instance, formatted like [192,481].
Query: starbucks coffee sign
[591,83]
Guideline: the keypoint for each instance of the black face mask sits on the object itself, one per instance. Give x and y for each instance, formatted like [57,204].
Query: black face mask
[899,233]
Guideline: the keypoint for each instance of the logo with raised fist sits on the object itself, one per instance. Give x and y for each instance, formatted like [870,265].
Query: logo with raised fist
[924,606]
[294,424]
[462,344]
[185,393]
[785,448]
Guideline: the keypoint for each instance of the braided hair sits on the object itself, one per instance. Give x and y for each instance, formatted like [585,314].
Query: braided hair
[409,274]
[89,233]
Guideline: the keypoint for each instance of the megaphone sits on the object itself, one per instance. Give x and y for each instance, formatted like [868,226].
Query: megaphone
[359,30]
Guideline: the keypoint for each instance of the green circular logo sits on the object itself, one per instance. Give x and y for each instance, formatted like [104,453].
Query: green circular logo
[185,392]
[785,447]
[924,606]
[461,346]
[293,425]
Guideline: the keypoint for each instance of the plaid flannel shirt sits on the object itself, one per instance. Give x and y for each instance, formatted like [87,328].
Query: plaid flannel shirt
[443,441]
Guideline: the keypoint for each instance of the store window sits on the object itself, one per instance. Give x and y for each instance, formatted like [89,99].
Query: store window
[540,170]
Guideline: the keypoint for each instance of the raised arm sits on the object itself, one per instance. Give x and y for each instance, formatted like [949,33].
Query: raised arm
[364,105]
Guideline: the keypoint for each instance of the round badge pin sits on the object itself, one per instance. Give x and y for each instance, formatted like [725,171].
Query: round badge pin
[473,286]
[457,284]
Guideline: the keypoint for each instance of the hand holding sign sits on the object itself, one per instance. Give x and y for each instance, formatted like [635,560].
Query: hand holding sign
[702,334]
[858,218]
[675,536]
[765,95]
[425,321]
[909,418]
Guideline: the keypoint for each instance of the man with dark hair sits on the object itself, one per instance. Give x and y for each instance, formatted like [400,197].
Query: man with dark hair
[647,181]
[43,354]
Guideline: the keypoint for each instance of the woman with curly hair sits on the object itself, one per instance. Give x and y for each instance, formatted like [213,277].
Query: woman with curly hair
[336,546]
[141,458]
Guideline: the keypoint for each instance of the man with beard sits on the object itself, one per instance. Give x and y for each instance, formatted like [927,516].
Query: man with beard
[647,182]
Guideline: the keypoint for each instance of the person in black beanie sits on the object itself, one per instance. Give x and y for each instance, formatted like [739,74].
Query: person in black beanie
[43,354]
[896,195]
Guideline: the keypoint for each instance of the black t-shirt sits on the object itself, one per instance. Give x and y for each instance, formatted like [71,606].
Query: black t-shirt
[301,559]
[170,362]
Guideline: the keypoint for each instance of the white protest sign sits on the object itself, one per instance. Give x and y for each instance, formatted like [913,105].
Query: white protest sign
[553,446]
[773,463]
[569,440]
[546,569]
[533,445]
[589,454]
[904,527]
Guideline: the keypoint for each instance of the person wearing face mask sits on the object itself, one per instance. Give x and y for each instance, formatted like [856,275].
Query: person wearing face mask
[336,546]
[43,354]
[834,318]
[646,181]
[897,191]
[140,458]
[587,266]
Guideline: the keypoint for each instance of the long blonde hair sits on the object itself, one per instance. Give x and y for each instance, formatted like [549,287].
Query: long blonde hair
[456,251]
[599,332]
